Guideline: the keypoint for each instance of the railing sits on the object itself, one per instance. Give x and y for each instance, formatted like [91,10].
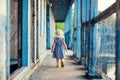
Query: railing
[105,41]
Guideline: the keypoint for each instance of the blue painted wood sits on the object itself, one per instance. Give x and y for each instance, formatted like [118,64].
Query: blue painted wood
[118,40]
[60,9]
[24,32]
[77,29]
[74,33]
[86,46]
[92,57]
[75,25]
[68,28]
[83,17]
[48,27]
[87,34]
[83,31]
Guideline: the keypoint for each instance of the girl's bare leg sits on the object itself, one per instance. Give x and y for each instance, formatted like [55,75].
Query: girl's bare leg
[58,62]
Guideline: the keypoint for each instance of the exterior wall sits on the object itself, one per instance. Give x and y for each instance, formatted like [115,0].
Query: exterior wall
[42,35]
[42,38]
[13,29]
[3,39]
[28,36]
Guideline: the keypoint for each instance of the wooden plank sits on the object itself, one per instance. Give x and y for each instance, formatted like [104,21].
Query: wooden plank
[24,32]
[68,28]
[93,29]
[106,13]
[87,39]
[48,27]
[117,40]
[83,16]
[77,30]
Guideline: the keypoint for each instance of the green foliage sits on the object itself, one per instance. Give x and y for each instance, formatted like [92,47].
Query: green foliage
[59,25]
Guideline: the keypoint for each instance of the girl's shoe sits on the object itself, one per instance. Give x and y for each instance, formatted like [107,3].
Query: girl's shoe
[62,64]
[58,66]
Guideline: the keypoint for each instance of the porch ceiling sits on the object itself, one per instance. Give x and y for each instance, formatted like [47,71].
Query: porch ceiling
[60,9]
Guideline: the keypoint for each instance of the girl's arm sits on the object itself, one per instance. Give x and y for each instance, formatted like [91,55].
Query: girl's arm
[53,46]
[65,45]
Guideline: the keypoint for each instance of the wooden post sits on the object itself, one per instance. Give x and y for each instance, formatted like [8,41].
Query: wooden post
[87,33]
[75,23]
[83,16]
[48,27]
[92,56]
[77,30]
[118,40]
[24,32]
[68,28]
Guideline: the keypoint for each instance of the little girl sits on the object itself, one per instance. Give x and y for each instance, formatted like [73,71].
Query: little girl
[58,48]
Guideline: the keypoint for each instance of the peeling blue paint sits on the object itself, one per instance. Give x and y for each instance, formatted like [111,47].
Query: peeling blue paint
[83,16]
[92,57]
[77,29]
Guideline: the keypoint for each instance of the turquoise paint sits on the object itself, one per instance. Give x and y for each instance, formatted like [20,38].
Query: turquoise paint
[87,39]
[74,33]
[48,45]
[77,30]
[92,57]
[83,16]
[24,32]
[68,28]
[86,46]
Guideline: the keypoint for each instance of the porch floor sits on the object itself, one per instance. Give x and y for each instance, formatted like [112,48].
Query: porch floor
[48,71]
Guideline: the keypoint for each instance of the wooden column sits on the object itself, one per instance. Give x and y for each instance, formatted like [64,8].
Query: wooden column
[92,52]
[77,30]
[118,40]
[83,16]
[75,23]
[48,27]
[68,28]
[24,32]
[87,33]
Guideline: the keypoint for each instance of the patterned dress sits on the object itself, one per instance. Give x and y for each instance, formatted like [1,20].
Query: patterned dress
[59,51]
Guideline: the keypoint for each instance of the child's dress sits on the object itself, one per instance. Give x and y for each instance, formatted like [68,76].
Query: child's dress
[59,51]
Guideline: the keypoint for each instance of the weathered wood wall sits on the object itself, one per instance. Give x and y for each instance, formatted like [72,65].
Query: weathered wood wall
[118,40]
[13,29]
[3,41]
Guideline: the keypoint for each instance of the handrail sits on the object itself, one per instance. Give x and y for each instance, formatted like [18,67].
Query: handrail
[106,13]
